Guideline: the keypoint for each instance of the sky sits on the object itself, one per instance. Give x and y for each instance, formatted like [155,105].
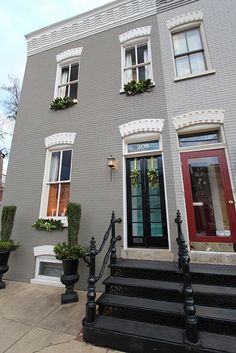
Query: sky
[20,17]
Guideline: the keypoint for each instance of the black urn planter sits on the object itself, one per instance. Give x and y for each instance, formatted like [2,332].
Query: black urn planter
[4,256]
[69,277]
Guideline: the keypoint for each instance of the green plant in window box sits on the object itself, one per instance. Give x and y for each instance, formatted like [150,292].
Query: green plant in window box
[48,225]
[136,87]
[62,103]
[153,178]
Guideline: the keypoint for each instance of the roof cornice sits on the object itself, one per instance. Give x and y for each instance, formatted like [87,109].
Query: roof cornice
[100,19]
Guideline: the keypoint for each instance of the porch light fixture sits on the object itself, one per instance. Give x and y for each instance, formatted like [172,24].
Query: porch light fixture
[112,163]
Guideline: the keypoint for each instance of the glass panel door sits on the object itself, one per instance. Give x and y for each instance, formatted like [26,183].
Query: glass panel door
[146,203]
[209,199]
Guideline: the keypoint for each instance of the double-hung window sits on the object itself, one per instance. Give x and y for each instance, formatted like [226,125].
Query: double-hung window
[189,45]
[59,183]
[136,62]
[69,78]
[136,59]
[57,176]
[188,52]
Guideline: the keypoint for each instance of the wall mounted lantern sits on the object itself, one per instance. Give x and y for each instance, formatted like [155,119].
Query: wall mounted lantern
[112,163]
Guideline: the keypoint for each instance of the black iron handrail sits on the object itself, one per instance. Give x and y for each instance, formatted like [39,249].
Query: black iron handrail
[90,259]
[191,329]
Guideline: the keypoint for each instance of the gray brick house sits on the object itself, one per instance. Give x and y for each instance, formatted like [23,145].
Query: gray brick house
[183,128]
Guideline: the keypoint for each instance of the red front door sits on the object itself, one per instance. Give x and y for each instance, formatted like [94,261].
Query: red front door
[208,195]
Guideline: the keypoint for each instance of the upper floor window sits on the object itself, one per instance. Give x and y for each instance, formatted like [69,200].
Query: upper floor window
[136,62]
[136,59]
[190,50]
[67,79]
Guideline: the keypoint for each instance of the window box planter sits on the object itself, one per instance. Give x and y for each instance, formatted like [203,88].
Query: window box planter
[136,87]
[48,225]
[62,103]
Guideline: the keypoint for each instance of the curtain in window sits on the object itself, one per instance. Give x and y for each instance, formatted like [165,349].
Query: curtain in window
[146,59]
[128,63]
[64,79]
[54,166]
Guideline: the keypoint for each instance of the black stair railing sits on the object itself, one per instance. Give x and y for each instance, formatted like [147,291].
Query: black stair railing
[191,328]
[90,259]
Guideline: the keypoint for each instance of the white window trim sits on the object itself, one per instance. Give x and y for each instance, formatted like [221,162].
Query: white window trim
[45,253]
[183,23]
[138,131]
[131,38]
[57,142]
[67,57]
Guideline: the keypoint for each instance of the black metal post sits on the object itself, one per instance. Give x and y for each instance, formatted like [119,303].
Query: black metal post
[190,311]
[91,295]
[113,257]
[191,332]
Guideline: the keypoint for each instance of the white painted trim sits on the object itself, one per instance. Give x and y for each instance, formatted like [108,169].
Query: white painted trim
[68,54]
[135,33]
[210,116]
[184,18]
[205,73]
[100,19]
[140,126]
[62,138]
[44,250]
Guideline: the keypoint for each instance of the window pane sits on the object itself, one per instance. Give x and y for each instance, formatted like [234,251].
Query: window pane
[199,139]
[180,45]
[142,73]
[194,39]
[64,199]
[137,229]
[182,66]
[54,168]
[51,269]
[65,165]
[155,215]
[63,91]
[154,201]
[130,57]
[156,230]
[134,74]
[64,74]
[74,72]
[137,202]
[73,90]
[142,54]
[144,146]
[137,215]
[52,200]
[197,62]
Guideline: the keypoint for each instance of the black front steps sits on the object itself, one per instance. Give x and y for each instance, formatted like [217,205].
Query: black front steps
[141,310]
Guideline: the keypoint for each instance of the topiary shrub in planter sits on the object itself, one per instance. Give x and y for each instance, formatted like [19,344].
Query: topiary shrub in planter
[6,243]
[70,254]
[136,87]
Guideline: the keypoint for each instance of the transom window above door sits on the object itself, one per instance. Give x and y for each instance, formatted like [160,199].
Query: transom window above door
[199,138]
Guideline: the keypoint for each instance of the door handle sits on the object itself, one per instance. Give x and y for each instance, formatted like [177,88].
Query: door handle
[230,202]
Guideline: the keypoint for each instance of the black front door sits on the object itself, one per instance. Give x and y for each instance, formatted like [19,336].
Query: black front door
[146,212]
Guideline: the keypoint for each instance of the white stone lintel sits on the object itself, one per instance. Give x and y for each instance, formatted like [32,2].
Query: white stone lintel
[140,126]
[63,138]
[211,116]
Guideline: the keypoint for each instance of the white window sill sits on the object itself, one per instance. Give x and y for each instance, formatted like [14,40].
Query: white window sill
[122,89]
[209,72]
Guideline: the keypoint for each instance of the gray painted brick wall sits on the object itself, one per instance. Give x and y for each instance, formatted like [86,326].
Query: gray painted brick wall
[96,117]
